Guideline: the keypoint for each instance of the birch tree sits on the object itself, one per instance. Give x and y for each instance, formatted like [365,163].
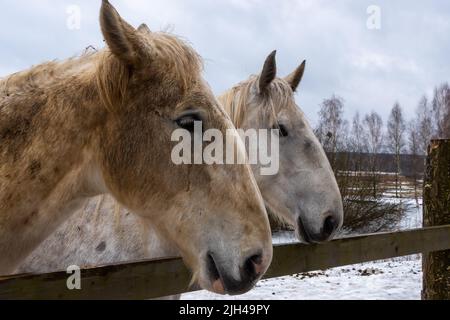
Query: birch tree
[332,127]
[374,129]
[414,150]
[396,141]
[424,125]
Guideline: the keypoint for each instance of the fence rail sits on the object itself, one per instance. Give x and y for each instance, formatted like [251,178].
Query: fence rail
[159,278]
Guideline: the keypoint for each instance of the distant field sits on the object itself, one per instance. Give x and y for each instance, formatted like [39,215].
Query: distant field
[386,182]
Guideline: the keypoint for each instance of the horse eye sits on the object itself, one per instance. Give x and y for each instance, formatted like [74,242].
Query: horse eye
[283,130]
[187,122]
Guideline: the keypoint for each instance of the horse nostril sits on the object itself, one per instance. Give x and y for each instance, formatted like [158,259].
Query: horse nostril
[330,226]
[212,267]
[253,267]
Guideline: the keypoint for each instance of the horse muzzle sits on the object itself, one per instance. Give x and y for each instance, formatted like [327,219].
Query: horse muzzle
[250,270]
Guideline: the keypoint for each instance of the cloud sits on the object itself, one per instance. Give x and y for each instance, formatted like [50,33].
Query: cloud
[370,69]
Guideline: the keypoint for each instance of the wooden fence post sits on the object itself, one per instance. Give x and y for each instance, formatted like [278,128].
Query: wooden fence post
[436,265]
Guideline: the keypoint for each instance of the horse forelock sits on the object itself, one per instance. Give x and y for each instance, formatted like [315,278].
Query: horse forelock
[170,58]
[176,58]
[238,100]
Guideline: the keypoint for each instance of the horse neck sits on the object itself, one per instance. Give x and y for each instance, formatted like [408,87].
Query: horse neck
[47,167]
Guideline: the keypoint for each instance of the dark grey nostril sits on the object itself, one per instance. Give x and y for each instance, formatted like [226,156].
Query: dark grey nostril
[212,267]
[252,267]
[329,226]
[302,232]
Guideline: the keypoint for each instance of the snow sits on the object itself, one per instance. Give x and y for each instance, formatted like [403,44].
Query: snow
[398,279]
[395,279]
[414,217]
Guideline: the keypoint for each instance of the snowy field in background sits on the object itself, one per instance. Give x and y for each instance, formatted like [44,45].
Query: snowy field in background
[396,279]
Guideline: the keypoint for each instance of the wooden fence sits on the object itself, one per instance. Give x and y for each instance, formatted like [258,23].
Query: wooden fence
[160,278]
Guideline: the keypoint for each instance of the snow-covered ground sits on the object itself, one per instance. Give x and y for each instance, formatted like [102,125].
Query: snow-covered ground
[399,279]
[396,279]
[414,217]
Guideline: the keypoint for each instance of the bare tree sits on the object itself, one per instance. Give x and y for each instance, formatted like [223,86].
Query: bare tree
[357,142]
[441,110]
[365,211]
[414,150]
[374,130]
[396,140]
[332,127]
[446,116]
[424,125]
[358,138]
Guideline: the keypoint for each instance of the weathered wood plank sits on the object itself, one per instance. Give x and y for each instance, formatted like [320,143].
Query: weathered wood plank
[152,279]
[292,259]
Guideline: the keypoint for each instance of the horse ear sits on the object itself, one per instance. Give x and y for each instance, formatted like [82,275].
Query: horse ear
[296,77]
[269,72]
[123,40]
[144,29]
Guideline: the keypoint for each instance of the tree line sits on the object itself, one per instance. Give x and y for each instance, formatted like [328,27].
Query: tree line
[354,147]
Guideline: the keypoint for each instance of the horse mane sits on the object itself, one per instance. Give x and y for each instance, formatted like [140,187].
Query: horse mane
[42,75]
[172,58]
[237,100]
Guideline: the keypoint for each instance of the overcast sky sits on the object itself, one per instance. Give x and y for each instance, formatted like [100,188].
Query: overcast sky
[369,68]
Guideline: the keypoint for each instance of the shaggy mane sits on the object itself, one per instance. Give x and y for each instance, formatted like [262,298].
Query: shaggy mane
[171,58]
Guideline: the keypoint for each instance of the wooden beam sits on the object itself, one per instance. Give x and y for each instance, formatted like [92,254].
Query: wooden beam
[291,259]
[153,279]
